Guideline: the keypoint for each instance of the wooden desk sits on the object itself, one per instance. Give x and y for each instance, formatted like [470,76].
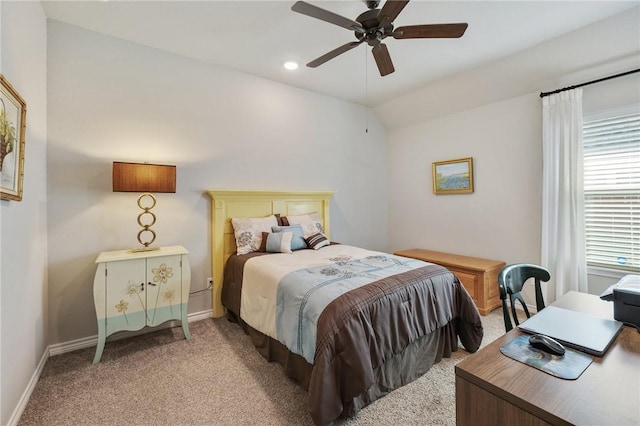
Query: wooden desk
[492,389]
[478,276]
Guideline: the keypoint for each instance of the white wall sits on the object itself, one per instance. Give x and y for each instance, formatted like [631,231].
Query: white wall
[114,100]
[493,114]
[501,218]
[23,256]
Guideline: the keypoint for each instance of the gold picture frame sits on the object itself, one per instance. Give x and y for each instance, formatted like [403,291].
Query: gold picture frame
[453,176]
[13,113]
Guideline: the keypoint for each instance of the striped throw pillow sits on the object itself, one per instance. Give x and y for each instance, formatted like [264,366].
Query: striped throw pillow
[317,241]
[279,242]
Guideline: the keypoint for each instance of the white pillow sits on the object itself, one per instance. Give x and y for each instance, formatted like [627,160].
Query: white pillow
[248,232]
[310,223]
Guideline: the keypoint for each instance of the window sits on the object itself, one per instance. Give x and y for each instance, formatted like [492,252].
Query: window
[612,190]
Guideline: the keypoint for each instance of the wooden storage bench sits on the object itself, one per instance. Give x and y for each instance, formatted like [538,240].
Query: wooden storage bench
[479,276]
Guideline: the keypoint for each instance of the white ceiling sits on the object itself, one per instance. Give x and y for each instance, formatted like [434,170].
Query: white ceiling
[257,37]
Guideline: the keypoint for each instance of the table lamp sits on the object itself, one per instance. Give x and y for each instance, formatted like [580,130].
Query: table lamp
[145,178]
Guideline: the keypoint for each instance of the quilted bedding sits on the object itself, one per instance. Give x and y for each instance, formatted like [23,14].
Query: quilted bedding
[374,312]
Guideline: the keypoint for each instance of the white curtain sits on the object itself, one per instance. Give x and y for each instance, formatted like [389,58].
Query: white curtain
[563,240]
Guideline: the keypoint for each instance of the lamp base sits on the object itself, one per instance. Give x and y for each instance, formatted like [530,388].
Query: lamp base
[149,248]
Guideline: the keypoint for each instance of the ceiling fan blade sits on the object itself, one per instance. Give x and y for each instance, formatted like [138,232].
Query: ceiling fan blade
[335,52]
[431,31]
[324,15]
[383,59]
[390,11]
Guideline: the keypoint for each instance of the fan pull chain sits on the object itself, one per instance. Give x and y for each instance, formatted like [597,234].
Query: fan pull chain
[366,92]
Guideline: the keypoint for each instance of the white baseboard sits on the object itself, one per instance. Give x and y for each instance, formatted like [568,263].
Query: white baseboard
[26,395]
[86,342]
[197,316]
[72,345]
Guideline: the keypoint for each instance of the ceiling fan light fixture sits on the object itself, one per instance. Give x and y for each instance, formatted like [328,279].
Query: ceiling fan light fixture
[375,25]
[290,65]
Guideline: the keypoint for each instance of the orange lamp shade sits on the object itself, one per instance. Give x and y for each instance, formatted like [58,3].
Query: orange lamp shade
[138,177]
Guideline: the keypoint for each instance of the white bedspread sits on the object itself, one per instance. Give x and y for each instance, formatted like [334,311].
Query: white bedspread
[263,273]
[283,295]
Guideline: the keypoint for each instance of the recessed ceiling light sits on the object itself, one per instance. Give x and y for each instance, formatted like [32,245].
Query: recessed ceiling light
[291,65]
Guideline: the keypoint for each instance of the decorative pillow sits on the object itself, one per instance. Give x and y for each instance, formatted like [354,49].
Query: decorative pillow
[248,232]
[310,223]
[279,242]
[298,242]
[317,241]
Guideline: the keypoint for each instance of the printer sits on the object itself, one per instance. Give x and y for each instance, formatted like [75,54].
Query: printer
[625,295]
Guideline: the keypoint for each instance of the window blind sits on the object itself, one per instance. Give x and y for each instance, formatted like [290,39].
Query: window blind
[612,191]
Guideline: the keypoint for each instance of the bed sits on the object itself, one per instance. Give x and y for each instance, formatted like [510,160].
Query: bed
[378,335]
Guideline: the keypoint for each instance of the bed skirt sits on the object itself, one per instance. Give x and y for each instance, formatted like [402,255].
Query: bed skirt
[401,369]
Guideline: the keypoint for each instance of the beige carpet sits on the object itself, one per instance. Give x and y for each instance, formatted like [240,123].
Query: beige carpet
[215,378]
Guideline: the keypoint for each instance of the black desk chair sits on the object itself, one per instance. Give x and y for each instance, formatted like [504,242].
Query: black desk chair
[511,280]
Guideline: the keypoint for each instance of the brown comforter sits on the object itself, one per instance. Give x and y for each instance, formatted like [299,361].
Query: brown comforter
[373,339]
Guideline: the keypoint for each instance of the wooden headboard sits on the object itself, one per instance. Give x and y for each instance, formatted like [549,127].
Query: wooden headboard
[228,204]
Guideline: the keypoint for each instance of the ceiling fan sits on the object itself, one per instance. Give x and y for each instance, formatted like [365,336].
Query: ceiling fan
[375,25]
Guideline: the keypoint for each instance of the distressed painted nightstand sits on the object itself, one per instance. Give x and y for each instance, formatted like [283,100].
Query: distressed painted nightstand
[133,290]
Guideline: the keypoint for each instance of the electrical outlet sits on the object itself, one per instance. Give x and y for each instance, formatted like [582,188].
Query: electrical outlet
[210,281]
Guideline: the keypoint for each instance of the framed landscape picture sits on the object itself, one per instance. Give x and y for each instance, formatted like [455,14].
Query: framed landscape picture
[13,111]
[453,176]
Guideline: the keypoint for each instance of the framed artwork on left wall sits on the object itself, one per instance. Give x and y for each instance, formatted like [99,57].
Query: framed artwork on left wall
[13,113]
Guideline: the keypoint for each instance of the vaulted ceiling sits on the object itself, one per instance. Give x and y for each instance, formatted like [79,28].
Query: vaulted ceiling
[257,37]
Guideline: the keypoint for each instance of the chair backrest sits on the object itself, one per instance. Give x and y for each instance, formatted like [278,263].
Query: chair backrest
[511,280]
